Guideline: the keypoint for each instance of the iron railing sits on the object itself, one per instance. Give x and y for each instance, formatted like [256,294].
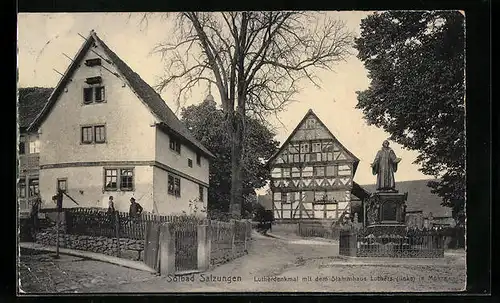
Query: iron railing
[411,244]
[186,245]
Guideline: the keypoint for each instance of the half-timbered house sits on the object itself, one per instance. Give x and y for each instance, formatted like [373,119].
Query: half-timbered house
[312,174]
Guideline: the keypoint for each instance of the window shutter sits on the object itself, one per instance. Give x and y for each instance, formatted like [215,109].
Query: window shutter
[94,80]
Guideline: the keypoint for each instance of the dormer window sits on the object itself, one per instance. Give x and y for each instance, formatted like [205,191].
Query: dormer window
[93,94]
[94,80]
[93,62]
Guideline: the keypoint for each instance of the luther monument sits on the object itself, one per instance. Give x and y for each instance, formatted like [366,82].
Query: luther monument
[386,208]
[384,166]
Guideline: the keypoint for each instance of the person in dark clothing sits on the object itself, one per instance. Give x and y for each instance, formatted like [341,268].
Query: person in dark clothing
[111,212]
[135,208]
[34,213]
[111,205]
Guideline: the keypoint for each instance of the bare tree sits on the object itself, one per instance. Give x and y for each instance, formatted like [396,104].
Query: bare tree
[255,59]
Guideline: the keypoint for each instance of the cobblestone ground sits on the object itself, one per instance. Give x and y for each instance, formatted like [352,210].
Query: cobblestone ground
[41,273]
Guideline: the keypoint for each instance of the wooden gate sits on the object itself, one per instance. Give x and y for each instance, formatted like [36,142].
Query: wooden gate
[186,246]
[151,245]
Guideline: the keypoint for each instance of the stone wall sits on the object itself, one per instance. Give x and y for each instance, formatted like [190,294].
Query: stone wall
[223,253]
[229,241]
[285,228]
[129,248]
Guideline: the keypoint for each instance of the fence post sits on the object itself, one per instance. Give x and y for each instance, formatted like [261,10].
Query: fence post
[203,235]
[246,236]
[167,249]
[353,243]
[117,232]
[57,233]
[233,236]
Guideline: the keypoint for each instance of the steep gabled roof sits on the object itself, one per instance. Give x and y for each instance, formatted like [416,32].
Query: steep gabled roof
[144,91]
[420,197]
[311,113]
[31,102]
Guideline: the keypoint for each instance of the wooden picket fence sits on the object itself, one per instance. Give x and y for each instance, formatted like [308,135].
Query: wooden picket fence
[322,230]
[98,222]
[228,240]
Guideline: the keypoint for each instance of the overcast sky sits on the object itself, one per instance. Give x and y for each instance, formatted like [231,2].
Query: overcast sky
[43,38]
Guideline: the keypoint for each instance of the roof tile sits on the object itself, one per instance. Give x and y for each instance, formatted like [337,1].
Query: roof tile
[31,102]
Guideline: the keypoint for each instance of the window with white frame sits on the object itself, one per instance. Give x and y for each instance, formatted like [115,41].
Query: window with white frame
[34,147]
[316,147]
[126,179]
[99,133]
[87,136]
[304,148]
[174,185]
[33,187]
[93,134]
[119,179]
[93,94]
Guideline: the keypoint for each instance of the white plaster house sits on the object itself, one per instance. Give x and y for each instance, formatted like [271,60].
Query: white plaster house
[105,132]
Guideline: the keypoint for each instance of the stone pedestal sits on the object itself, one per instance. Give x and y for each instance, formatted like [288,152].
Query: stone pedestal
[385,213]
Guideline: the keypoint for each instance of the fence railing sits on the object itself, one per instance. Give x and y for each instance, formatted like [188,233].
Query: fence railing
[98,222]
[219,241]
[421,244]
[323,230]
[221,238]
[186,245]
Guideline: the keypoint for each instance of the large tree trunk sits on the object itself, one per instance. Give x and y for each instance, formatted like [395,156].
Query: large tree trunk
[236,166]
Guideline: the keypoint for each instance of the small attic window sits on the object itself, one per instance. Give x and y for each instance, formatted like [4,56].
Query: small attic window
[94,80]
[93,62]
